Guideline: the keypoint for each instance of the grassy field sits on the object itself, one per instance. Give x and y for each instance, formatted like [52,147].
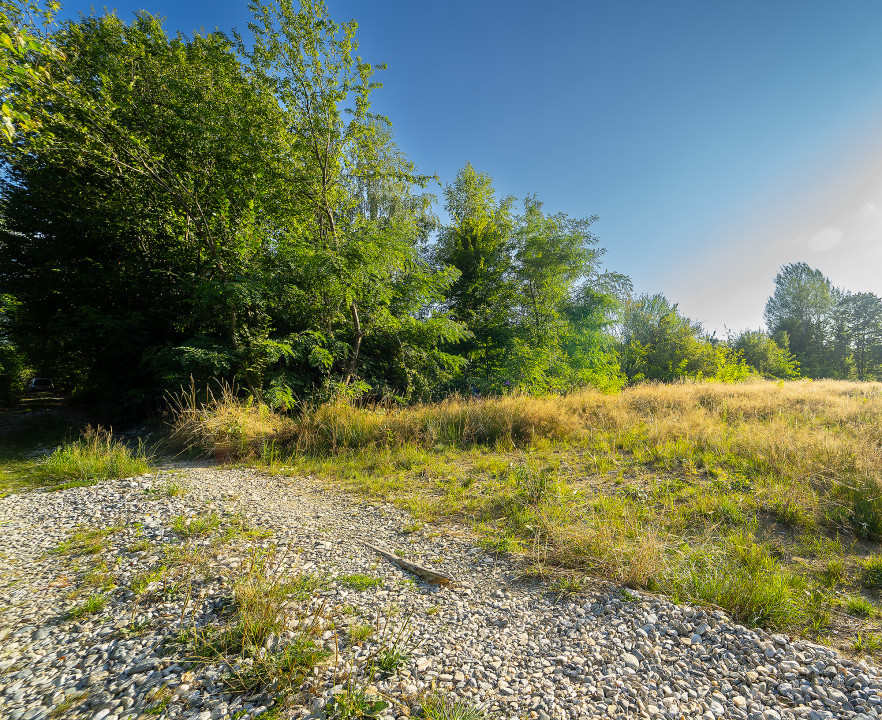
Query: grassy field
[762,498]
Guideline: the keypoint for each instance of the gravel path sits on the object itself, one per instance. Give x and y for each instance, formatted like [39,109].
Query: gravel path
[492,640]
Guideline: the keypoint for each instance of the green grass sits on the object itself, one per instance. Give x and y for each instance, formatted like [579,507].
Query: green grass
[265,605]
[859,606]
[95,456]
[196,525]
[360,633]
[871,573]
[436,707]
[359,581]
[95,603]
[867,643]
[85,541]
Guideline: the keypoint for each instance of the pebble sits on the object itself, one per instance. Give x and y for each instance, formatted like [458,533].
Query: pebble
[492,639]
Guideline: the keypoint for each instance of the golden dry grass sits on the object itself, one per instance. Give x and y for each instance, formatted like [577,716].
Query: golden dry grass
[704,490]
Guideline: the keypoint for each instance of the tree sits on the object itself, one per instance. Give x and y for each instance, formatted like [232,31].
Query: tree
[154,230]
[360,214]
[860,315]
[478,244]
[765,355]
[530,290]
[803,305]
[149,185]
[25,52]
[656,342]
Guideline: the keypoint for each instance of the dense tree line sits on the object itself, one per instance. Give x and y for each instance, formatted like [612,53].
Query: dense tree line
[180,209]
[207,207]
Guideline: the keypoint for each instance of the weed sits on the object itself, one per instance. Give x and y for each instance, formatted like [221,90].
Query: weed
[871,573]
[172,488]
[197,525]
[436,707]
[707,474]
[500,544]
[91,605]
[267,638]
[867,642]
[359,582]
[389,660]
[100,578]
[859,606]
[159,699]
[747,581]
[85,541]
[359,633]
[354,702]
[142,580]
[834,573]
[94,457]
[567,587]
[68,703]
[142,545]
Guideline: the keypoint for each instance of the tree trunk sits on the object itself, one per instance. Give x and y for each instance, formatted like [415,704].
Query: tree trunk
[359,334]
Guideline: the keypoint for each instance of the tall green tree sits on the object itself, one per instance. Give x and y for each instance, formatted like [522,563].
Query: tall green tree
[803,306]
[182,213]
[860,315]
[360,210]
[478,244]
[136,219]
[530,290]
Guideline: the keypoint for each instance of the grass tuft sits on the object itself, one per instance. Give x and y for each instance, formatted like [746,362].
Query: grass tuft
[95,456]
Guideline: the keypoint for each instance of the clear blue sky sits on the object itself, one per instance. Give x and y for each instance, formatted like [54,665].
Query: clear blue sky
[716,140]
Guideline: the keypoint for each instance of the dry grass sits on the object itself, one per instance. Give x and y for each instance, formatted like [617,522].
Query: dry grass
[703,490]
[224,426]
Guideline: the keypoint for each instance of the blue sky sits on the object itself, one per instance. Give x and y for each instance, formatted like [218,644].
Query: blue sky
[717,141]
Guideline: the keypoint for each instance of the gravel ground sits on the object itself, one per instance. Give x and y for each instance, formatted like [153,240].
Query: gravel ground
[492,640]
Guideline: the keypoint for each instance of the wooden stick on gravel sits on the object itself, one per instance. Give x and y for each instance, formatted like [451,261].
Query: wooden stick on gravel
[419,570]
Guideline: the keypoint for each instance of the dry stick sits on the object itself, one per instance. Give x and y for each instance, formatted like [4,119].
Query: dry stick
[425,573]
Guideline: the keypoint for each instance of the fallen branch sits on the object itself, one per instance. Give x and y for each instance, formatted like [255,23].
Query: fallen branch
[418,570]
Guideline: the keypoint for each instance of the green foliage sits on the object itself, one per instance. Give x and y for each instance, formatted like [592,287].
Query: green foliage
[530,292]
[263,254]
[656,342]
[803,307]
[355,702]
[859,331]
[765,355]
[25,52]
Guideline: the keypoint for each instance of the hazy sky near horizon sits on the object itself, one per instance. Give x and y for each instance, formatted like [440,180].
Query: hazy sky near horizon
[716,141]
